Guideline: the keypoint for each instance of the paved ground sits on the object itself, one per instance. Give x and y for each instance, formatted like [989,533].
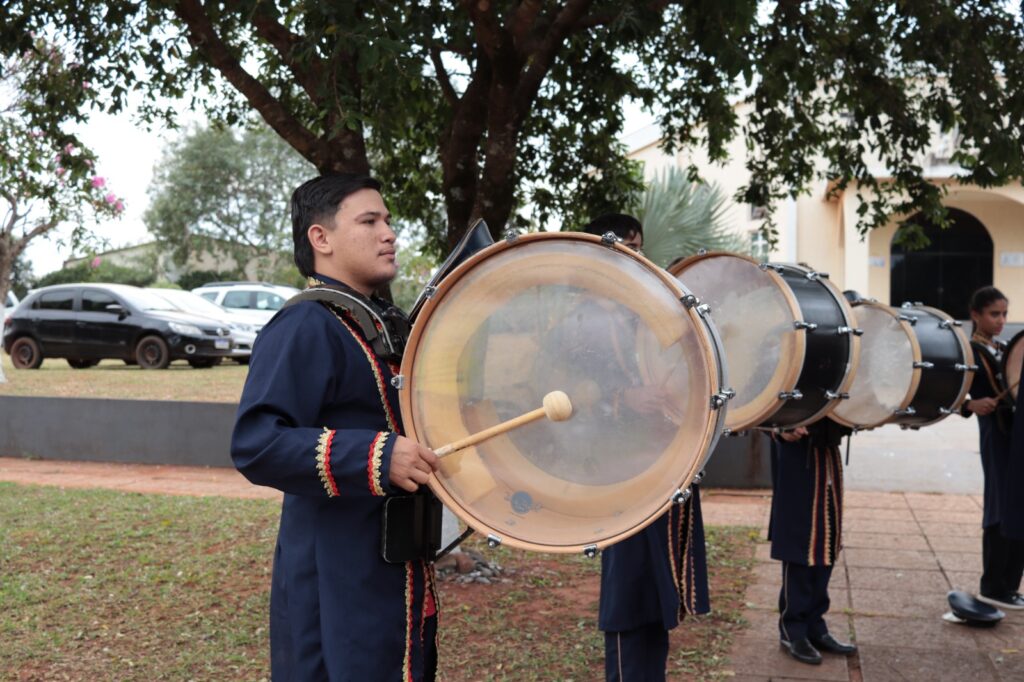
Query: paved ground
[904,552]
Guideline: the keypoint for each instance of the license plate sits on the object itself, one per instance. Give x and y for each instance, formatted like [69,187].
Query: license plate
[221,344]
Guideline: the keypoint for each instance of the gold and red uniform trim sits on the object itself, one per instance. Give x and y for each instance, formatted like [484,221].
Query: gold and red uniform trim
[378,374]
[374,461]
[323,462]
[409,587]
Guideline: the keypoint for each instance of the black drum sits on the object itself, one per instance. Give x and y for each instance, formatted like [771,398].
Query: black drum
[1013,359]
[947,364]
[789,337]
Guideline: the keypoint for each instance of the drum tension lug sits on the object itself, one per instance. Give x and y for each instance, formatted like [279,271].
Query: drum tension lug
[689,301]
[398,381]
[849,330]
[945,410]
[702,251]
[718,400]
[816,275]
[703,309]
[924,364]
[771,266]
[698,478]
[809,326]
[590,551]
[907,318]
[909,412]
[832,395]
[790,395]
[609,238]
[429,291]
[681,496]
[511,235]
[493,541]
[961,367]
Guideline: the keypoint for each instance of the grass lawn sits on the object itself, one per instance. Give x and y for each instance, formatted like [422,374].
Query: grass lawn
[114,379]
[102,585]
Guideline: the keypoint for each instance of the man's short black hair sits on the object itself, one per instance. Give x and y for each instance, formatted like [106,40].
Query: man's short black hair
[316,201]
[621,225]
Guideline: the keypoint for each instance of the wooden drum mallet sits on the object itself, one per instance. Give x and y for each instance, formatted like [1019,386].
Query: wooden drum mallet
[557,408]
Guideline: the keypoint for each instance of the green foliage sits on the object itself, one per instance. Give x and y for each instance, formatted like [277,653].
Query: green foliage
[681,217]
[104,272]
[197,278]
[226,193]
[511,111]
[21,276]
[416,267]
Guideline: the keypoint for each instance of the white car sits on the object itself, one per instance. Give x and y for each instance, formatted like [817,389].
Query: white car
[256,298]
[243,327]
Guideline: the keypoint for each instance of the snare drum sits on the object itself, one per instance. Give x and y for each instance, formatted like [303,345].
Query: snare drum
[947,364]
[789,337]
[889,369]
[570,312]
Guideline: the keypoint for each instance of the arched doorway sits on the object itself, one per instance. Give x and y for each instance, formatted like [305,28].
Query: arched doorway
[945,273]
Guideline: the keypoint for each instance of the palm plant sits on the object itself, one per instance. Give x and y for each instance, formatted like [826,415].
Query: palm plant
[681,217]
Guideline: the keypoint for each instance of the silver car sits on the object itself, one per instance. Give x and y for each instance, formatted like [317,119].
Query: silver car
[243,327]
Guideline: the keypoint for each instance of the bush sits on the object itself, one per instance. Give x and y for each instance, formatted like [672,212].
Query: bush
[104,272]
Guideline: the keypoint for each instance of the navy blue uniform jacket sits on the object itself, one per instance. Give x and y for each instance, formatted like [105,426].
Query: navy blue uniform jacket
[318,420]
[807,496]
[1013,485]
[994,432]
[658,574]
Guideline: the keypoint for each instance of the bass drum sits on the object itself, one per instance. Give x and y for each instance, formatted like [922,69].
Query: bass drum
[1013,360]
[889,369]
[562,311]
[946,364]
[790,341]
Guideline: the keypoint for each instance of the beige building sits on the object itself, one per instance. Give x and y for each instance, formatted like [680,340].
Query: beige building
[984,245]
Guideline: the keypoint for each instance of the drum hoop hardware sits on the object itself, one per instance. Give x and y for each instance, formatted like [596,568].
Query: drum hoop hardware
[702,251]
[911,304]
[511,235]
[832,395]
[772,266]
[493,541]
[809,326]
[923,364]
[590,551]
[813,275]
[718,400]
[429,291]
[609,238]
[698,478]
[909,319]
[398,381]
[689,300]
[945,410]
[791,395]
[908,412]
[947,324]
[961,367]
[855,331]
[681,496]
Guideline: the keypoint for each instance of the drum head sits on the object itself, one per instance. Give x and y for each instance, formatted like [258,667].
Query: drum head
[753,311]
[886,379]
[1012,361]
[564,312]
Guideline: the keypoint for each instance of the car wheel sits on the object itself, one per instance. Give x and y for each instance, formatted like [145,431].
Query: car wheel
[26,354]
[204,364]
[79,363]
[152,353]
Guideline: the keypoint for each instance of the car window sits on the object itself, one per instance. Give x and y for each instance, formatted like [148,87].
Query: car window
[209,295]
[237,299]
[57,300]
[268,301]
[96,301]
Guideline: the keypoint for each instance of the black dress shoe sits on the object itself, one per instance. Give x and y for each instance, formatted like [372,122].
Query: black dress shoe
[802,650]
[829,643]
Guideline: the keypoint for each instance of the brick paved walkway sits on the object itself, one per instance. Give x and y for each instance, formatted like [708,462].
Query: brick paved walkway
[903,552]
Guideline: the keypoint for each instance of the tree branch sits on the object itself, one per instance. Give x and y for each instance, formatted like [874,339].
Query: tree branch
[204,38]
[540,61]
[485,25]
[311,77]
[442,77]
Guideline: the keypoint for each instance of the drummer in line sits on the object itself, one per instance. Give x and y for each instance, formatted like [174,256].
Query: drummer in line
[1002,555]
[651,580]
[806,534]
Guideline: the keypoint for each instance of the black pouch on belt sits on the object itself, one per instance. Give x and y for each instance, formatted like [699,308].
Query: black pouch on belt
[411,527]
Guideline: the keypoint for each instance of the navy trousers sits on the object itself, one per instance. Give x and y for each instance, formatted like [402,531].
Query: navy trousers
[637,655]
[1003,563]
[803,601]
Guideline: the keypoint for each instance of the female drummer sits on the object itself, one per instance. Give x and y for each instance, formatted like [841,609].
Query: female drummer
[1002,557]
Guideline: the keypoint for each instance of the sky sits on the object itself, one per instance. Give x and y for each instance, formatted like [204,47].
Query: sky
[126,155]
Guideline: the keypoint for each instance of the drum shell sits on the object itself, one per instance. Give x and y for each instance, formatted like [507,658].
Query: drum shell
[1013,359]
[831,354]
[679,480]
[944,385]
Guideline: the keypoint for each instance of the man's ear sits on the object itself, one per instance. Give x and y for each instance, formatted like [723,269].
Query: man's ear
[317,235]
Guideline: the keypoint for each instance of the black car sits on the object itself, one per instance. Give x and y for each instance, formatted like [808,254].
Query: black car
[86,323]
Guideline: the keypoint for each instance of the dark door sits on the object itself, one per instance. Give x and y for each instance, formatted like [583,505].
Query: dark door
[945,273]
[53,315]
[101,332]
